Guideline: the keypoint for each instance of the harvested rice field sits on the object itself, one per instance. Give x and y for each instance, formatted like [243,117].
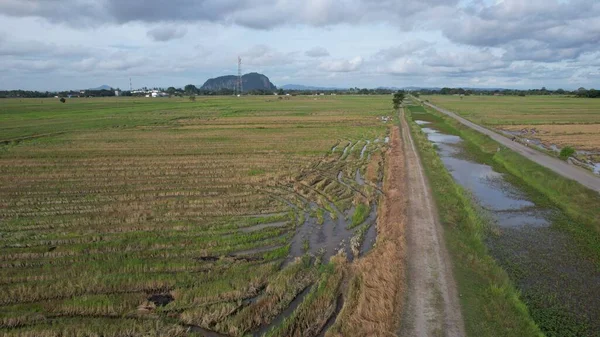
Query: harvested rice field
[221,217]
[547,122]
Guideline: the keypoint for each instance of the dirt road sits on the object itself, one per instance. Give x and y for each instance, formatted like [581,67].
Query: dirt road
[431,306]
[566,170]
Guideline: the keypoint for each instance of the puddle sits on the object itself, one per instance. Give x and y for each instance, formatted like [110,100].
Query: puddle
[340,178]
[362,152]
[346,149]
[358,178]
[370,236]
[333,148]
[387,140]
[422,122]
[284,314]
[369,240]
[263,226]
[539,258]
[326,239]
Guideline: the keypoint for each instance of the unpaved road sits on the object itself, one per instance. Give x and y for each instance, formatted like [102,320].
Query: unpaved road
[431,306]
[563,168]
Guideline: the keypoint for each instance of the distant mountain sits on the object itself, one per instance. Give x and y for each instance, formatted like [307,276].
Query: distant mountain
[251,81]
[308,87]
[102,87]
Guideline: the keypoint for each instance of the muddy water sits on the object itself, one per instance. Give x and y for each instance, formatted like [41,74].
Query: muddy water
[358,178]
[370,235]
[560,286]
[326,239]
[362,152]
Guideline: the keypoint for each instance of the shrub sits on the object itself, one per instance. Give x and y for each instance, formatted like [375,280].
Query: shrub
[566,152]
[62,100]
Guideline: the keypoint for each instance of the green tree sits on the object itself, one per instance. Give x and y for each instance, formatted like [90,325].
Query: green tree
[190,89]
[172,90]
[398,98]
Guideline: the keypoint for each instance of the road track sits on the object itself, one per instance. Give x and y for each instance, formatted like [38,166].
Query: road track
[431,306]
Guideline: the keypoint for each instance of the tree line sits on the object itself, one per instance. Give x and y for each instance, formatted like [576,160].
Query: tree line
[581,92]
[192,90]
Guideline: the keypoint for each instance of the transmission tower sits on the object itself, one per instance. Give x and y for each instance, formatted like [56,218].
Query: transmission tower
[240,88]
[130,85]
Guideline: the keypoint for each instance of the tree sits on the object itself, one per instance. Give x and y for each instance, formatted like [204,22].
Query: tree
[190,89]
[62,100]
[281,92]
[171,91]
[398,98]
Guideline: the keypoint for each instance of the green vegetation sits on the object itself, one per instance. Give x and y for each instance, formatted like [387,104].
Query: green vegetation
[153,214]
[490,303]
[360,215]
[398,98]
[566,152]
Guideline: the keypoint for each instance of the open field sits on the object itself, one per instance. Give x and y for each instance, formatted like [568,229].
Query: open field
[554,121]
[127,216]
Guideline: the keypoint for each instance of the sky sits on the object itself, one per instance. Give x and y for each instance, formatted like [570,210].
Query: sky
[79,44]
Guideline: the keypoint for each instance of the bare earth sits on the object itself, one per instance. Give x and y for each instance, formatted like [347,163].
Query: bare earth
[568,171]
[431,307]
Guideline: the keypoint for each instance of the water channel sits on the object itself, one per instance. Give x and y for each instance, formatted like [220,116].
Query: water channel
[559,282]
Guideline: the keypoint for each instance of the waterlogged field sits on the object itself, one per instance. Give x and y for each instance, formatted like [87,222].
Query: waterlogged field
[168,217]
[551,122]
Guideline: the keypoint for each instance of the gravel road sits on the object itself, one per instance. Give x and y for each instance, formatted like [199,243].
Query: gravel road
[431,307]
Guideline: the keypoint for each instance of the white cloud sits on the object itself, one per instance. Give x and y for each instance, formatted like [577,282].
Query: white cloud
[342,66]
[409,42]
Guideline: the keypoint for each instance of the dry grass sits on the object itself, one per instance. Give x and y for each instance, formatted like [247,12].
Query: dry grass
[374,301]
[580,136]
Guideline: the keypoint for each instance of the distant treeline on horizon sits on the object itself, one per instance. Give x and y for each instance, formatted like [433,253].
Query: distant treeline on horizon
[581,92]
[191,90]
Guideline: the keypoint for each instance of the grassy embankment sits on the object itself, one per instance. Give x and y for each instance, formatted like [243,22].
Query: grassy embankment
[490,303]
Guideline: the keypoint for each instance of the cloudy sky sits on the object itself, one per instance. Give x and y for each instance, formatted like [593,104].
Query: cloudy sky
[73,44]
